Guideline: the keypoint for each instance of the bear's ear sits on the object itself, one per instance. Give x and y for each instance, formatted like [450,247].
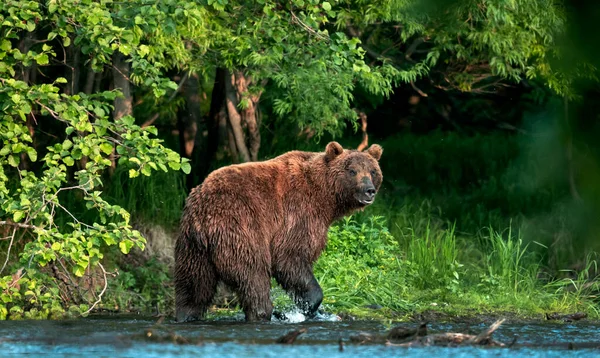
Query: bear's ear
[375,150]
[332,150]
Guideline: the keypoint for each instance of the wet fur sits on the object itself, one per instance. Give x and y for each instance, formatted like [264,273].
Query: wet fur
[249,222]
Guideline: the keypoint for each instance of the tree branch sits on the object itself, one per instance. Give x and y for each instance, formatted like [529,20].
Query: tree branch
[101,293]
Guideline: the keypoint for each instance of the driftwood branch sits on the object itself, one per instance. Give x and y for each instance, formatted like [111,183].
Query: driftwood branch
[451,338]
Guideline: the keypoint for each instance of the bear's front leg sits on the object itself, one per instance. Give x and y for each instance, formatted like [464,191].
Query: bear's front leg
[298,280]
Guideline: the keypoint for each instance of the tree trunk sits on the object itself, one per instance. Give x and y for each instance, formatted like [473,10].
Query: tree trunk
[249,113]
[365,136]
[123,105]
[72,64]
[244,122]
[89,81]
[569,153]
[235,118]
[26,74]
[233,151]
[188,122]
[216,125]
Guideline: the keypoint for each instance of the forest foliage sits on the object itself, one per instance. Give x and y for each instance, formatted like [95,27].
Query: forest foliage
[83,84]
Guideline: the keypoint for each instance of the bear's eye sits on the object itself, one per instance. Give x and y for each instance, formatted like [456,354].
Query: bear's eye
[352,172]
[373,173]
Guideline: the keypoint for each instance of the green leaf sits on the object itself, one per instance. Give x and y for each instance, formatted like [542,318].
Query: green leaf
[152,129]
[133,173]
[128,120]
[5,45]
[146,170]
[79,271]
[186,167]
[69,130]
[32,154]
[99,111]
[107,148]
[14,160]
[42,59]
[69,161]
[56,246]
[125,246]
[18,215]
[30,25]
[326,6]
[61,80]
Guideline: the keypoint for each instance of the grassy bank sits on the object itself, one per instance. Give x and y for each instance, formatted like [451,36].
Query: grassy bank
[463,225]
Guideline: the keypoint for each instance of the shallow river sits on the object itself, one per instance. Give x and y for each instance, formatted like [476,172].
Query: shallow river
[126,336]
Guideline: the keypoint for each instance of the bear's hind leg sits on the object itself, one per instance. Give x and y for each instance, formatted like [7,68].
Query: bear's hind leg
[195,286]
[255,296]
[253,288]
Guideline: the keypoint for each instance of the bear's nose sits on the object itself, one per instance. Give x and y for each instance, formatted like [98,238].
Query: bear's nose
[370,191]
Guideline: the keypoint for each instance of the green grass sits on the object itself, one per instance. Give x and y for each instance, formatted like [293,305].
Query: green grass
[443,272]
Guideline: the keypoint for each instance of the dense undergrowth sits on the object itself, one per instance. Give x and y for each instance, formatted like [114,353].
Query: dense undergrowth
[462,225]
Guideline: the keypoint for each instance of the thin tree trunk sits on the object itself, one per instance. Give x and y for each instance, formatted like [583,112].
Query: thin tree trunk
[249,113]
[98,81]
[216,124]
[89,81]
[123,105]
[72,64]
[233,152]
[25,75]
[121,71]
[571,165]
[235,118]
[188,122]
[365,136]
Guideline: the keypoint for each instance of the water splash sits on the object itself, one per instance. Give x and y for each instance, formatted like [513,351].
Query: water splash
[293,315]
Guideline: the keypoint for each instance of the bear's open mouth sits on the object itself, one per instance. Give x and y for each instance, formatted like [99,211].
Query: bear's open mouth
[366,201]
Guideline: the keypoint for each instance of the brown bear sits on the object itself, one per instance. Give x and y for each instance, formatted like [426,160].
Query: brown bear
[249,222]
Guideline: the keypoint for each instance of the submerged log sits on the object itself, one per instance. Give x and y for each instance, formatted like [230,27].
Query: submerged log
[400,333]
[455,339]
[566,317]
[290,337]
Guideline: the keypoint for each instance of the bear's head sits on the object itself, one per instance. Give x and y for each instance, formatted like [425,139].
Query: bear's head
[356,175]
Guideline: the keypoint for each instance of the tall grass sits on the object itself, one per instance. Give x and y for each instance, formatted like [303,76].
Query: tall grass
[509,261]
[432,254]
[158,199]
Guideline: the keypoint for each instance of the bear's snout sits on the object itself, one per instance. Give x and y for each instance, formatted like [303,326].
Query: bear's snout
[366,192]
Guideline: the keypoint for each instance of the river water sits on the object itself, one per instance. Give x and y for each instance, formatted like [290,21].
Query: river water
[131,336]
